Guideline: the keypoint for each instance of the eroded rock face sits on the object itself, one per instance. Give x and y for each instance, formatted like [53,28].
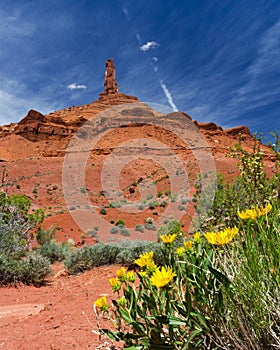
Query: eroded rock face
[35,127]
[238,130]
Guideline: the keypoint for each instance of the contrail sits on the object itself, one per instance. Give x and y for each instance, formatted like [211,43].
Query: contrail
[168,96]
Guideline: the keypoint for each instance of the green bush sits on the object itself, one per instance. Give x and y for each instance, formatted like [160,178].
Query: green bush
[114,230]
[16,224]
[124,252]
[55,251]
[103,211]
[139,228]
[124,231]
[45,236]
[120,222]
[33,269]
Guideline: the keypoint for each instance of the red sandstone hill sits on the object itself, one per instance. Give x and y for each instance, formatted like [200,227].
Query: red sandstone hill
[34,152]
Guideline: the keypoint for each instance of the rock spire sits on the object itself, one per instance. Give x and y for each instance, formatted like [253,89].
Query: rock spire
[110,81]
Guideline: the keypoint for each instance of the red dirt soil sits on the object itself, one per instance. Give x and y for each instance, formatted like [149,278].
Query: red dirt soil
[67,320]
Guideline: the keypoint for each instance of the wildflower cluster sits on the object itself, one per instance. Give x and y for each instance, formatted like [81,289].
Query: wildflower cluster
[255,212]
[122,276]
[221,237]
[173,303]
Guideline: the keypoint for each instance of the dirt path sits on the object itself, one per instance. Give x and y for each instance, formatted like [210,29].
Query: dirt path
[57,316]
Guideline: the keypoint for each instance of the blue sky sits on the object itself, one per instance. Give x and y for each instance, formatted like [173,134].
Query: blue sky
[217,60]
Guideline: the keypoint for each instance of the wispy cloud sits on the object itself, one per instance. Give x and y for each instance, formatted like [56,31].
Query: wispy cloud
[149,45]
[154,59]
[262,75]
[75,86]
[268,52]
[168,96]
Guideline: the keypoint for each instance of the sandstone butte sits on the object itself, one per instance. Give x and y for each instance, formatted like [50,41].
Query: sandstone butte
[32,154]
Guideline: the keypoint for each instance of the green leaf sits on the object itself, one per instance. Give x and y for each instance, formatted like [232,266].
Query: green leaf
[219,275]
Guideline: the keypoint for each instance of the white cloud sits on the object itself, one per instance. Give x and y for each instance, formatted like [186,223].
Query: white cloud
[149,45]
[168,96]
[155,59]
[75,86]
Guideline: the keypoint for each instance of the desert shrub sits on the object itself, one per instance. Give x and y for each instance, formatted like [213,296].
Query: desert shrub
[55,251]
[139,228]
[124,231]
[16,224]
[45,236]
[83,190]
[103,211]
[124,252]
[114,205]
[181,207]
[32,269]
[150,227]
[114,230]
[120,222]
[88,257]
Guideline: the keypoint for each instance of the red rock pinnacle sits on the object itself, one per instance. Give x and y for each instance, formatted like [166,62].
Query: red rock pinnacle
[110,81]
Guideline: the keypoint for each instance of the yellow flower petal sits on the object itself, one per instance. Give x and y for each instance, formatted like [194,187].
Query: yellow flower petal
[168,238]
[180,251]
[161,278]
[196,237]
[188,244]
[115,284]
[221,237]
[101,303]
[131,276]
[144,259]
[254,212]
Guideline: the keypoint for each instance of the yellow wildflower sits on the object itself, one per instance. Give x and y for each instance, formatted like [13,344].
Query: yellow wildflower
[101,303]
[143,273]
[130,276]
[161,278]
[266,209]
[121,301]
[254,212]
[221,237]
[121,274]
[188,244]
[180,251]
[196,237]
[151,266]
[168,238]
[144,259]
[115,284]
